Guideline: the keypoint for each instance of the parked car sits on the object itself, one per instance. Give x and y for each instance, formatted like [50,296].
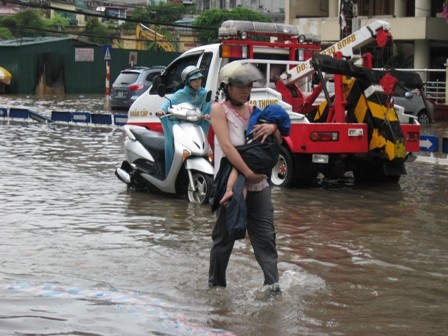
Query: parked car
[415,103]
[130,84]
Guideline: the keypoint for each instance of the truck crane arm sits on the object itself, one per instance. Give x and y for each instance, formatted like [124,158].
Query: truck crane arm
[329,64]
[378,30]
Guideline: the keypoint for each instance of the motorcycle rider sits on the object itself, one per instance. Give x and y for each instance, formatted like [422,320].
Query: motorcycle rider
[194,93]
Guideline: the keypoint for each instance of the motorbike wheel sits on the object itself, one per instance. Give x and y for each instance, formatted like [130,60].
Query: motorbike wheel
[203,184]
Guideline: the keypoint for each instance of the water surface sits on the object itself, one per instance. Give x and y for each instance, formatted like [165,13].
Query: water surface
[80,254]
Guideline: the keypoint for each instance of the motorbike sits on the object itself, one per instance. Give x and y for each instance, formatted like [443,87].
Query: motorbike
[191,170]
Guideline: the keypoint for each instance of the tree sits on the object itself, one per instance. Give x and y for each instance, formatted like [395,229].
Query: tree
[27,23]
[159,18]
[213,18]
[5,34]
[163,14]
[58,21]
[98,33]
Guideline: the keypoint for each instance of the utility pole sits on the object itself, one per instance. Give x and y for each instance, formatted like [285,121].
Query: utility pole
[154,15]
[345,18]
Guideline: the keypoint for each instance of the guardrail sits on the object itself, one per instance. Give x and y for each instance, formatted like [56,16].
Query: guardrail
[69,117]
[435,90]
[429,144]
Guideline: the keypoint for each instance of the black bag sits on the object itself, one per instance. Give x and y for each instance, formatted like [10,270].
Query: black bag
[260,157]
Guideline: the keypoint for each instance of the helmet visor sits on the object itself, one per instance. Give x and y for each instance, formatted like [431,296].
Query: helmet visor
[195,76]
[241,74]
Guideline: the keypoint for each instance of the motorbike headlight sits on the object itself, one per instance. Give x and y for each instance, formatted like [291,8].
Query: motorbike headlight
[192,115]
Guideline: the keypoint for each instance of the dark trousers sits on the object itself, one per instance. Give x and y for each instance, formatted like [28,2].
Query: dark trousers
[260,227]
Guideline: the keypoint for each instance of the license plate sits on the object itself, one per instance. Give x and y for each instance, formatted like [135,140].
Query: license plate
[320,158]
[120,94]
[355,132]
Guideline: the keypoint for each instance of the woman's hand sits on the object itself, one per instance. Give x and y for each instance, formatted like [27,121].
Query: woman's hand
[262,131]
[255,178]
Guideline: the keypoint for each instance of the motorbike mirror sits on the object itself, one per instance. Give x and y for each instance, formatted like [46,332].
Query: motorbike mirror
[209,96]
[161,90]
[156,82]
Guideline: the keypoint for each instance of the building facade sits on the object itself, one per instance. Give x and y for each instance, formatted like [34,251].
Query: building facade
[264,6]
[419,30]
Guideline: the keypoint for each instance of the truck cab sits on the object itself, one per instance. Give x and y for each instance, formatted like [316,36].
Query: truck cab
[272,62]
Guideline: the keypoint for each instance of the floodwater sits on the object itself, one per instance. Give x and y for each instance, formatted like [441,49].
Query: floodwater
[80,254]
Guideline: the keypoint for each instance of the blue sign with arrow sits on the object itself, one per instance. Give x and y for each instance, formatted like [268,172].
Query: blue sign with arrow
[429,143]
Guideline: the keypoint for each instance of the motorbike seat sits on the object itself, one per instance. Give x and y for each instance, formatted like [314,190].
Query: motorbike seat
[153,141]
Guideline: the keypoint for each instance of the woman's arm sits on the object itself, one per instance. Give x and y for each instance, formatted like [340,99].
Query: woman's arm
[221,129]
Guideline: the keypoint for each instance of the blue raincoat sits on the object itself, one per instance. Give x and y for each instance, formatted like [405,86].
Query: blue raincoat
[185,95]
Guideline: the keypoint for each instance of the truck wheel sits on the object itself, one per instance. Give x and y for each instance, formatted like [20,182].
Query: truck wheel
[282,173]
[203,184]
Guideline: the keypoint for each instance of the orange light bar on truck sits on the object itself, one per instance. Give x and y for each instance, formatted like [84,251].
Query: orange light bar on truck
[233,51]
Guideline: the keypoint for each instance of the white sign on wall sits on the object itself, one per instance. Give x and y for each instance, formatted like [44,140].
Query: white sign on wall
[84,55]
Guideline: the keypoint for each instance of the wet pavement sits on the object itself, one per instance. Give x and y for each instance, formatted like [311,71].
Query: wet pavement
[80,254]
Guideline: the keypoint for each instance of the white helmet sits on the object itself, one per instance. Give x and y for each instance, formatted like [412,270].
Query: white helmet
[189,73]
[240,73]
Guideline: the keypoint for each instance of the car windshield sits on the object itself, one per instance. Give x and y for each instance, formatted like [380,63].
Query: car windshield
[127,78]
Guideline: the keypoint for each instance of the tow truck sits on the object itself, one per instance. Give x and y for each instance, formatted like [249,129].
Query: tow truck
[355,127]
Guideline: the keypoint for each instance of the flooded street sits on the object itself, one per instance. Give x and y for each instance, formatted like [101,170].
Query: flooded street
[80,254]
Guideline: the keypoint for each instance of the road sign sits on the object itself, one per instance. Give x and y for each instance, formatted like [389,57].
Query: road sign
[82,117]
[120,119]
[107,49]
[429,143]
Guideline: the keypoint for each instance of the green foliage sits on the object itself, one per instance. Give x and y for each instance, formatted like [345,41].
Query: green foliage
[213,19]
[98,33]
[5,34]
[27,23]
[58,21]
[161,13]
[154,16]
